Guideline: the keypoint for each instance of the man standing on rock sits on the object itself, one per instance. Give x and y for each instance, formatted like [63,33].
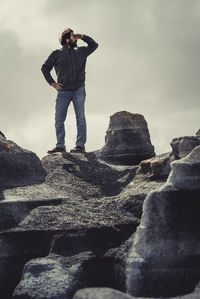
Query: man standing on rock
[69,63]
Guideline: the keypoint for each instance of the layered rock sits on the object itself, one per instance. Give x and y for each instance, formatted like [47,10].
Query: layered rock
[100,293]
[51,277]
[182,146]
[159,166]
[127,139]
[80,213]
[185,174]
[18,166]
[164,259]
[74,229]
[156,167]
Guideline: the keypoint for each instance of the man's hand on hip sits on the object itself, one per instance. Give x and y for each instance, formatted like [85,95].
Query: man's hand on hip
[57,86]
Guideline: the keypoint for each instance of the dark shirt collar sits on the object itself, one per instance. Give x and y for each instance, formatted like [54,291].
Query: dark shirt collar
[64,47]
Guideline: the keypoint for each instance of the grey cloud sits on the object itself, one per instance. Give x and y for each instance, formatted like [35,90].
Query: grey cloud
[23,92]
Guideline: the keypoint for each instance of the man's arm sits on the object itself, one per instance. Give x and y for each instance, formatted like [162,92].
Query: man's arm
[92,45]
[47,67]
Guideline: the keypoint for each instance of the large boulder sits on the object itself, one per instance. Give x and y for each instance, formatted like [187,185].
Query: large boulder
[52,277]
[83,205]
[156,167]
[127,139]
[182,146]
[159,166]
[164,259]
[100,293]
[18,166]
[185,174]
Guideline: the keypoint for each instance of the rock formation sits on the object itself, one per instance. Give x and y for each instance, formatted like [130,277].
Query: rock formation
[70,224]
[198,133]
[182,146]
[159,166]
[164,257]
[18,166]
[99,293]
[68,230]
[127,139]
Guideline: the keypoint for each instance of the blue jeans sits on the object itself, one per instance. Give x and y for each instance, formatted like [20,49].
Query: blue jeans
[64,97]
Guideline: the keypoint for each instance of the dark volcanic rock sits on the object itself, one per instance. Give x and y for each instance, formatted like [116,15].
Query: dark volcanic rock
[159,166]
[166,245]
[127,139]
[100,293]
[69,230]
[51,277]
[156,167]
[182,146]
[84,205]
[185,173]
[18,166]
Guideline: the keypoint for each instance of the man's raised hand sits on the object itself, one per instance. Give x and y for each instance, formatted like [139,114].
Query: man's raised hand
[79,36]
[74,37]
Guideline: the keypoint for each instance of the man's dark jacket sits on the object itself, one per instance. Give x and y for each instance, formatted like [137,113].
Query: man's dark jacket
[69,64]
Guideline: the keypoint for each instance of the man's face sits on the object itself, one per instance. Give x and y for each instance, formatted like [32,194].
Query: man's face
[72,41]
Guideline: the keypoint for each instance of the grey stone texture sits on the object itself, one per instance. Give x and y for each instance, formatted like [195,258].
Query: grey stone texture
[159,166]
[81,212]
[99,293]
[18,166]
[164,259]
[127,139]
[77,225]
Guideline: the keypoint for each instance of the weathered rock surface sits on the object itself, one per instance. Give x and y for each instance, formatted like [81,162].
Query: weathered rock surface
[75,227]
[18,166]
[159,166]
[83,205]
[99,293]
[185,173]
[127,139]
[182,146]
[164,259]
[51,277]
[156,167]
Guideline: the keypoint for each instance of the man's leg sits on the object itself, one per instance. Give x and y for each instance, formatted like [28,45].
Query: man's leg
[79,107]
[62,103]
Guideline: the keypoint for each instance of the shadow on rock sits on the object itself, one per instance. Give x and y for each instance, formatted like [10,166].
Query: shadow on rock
[110,180]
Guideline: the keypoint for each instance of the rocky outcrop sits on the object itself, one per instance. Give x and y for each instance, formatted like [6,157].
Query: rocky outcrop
[79,228]
[159,166]
[165,248]
[156,167]
[80,214]
[99,293]
[127,139]
[182,146]
[18,166]
[54,276]
[185,174]
[198,133]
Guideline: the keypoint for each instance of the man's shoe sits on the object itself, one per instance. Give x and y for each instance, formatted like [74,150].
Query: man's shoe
[78,149]
[57,150]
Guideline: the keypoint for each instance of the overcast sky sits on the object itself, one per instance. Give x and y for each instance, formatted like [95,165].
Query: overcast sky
[148,62]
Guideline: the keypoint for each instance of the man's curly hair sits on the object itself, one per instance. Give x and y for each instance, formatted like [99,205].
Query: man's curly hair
[65,34]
